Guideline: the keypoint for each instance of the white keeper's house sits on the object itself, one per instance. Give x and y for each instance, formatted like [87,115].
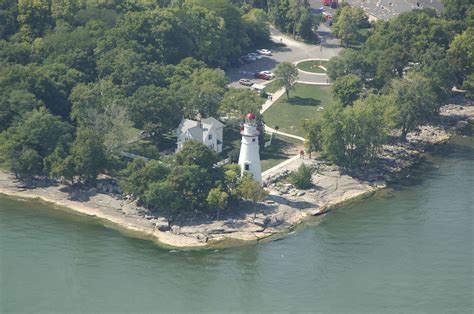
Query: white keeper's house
[208,131]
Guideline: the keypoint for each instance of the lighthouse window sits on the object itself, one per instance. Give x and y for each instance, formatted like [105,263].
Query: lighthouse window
[246,167]
[253,140]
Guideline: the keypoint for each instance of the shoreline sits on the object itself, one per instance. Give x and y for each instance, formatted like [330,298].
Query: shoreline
[284,210]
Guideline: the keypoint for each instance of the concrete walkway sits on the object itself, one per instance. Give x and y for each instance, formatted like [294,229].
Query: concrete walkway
[291,164]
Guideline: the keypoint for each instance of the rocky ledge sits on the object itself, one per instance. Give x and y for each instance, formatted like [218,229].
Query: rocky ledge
[283,209]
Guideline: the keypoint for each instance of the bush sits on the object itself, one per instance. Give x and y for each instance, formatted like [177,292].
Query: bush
[301,178]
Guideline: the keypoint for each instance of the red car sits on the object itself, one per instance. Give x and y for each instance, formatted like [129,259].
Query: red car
[263,76]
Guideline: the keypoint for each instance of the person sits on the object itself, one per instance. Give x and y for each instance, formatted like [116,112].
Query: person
[281,40]
[302,154]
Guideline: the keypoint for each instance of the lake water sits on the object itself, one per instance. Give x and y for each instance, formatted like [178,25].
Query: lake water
[407,249]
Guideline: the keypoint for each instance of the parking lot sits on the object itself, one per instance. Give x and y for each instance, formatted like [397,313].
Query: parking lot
[290,51]
[385,9]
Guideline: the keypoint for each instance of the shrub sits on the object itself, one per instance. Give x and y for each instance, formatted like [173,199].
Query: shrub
[301,178]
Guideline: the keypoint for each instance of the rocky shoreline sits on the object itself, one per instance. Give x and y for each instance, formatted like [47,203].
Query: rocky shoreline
[285,207]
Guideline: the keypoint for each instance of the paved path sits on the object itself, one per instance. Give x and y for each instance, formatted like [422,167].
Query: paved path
[291,164]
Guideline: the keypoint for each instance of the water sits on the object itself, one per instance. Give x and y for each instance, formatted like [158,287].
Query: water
[406,250]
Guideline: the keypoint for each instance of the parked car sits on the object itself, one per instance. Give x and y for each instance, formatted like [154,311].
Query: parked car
[263,76]
[245,82]
[270,74]
[254,55]
[264,52]
[249,59]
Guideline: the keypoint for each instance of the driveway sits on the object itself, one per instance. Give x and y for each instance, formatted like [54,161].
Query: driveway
[292,51]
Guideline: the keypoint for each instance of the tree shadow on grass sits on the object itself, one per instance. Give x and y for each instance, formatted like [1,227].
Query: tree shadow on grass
[278,148]
[303,101]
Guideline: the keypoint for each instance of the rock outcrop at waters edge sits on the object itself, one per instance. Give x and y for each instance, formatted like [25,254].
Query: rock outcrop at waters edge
[284,208]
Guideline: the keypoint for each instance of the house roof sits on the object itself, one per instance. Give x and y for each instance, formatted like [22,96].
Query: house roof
[187,124]
[195,132]
[213,122]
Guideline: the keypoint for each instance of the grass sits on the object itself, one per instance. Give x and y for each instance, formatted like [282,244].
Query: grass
[271,87]
[304,103]
[312,66]
[281,149]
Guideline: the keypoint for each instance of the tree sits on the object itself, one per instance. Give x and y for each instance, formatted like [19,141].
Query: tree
[456,9]
[15,103]
[207,32]
[347,89]
[390,63]
[8,18]
[196,153]
[37,131]
[348,22]
[237,102]
[88,154]
[34,17]
[461,52]
[301,178]
[201,93]
[231,178]
[154,106]
[192,184]
[217,200]
[162,195]
[60,167]
[251,190]
[415,102]
[63,9]
[351,136]
[349,61]
[235,39]
[29,162]
[286,75]
[140,174]
[313,140]
[306,25]
[469,86]
[256,26]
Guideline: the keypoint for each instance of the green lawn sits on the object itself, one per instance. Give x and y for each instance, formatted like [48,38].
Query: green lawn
[271,87]
[312,66]
[304,103]
[281,149]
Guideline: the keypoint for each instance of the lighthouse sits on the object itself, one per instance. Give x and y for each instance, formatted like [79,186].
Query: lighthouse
[249,157]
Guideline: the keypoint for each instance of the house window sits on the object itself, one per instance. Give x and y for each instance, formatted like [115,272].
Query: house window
[209,137]
[246,167]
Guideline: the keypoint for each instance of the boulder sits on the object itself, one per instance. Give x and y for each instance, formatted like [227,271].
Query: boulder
[163,228]
[175,229]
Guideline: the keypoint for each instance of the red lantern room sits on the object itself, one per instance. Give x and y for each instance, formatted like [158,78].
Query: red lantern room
[250,116]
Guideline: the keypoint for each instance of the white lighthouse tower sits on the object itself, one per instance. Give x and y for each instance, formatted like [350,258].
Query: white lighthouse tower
[249,157]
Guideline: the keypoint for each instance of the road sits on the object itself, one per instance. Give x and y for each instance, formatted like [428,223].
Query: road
[292,51]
